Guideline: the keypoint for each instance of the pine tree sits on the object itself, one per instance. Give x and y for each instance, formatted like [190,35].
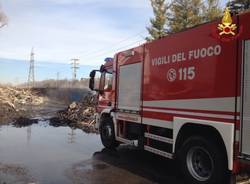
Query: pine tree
[212,11]
[189,13]
[158,23]
[185,14]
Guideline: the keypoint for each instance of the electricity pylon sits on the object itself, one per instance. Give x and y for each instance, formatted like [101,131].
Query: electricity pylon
[74,66]
[31,78]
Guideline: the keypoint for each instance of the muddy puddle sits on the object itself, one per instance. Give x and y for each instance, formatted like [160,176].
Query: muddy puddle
[43,150]
[40,153]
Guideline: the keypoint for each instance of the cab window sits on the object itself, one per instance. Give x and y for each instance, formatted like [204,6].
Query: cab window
[108,81]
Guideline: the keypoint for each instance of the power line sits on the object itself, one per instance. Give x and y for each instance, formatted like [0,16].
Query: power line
[115,50]
[116,44]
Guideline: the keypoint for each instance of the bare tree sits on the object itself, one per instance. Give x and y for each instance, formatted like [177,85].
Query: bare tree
[3,18]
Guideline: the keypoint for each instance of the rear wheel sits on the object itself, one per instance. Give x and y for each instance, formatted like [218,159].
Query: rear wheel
[108,134]
[202,161]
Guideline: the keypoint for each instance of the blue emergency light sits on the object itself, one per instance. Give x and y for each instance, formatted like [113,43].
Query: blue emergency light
[108,59]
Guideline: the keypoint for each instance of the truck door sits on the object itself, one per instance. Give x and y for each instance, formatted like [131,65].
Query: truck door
[245,102]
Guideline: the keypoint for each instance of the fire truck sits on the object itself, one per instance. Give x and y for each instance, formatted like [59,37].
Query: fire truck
[185,96]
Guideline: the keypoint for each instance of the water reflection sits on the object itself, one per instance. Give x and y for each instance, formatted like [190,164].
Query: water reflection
[46,151]
[72,136]
[24,122]
[28,134]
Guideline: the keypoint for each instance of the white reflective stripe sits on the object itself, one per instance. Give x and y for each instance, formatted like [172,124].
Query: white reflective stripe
[103,106]
[129,117]
[157,123]
[226,104]
[192,113]
[129,108]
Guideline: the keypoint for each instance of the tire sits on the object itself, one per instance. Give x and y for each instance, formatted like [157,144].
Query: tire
[202,161]
[107,133]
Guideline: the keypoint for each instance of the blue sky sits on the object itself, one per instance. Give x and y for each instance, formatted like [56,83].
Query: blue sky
[16,71]
[60,30]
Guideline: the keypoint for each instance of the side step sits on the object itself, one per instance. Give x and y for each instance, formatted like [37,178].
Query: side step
[158,138]
[158,152]
[127,141]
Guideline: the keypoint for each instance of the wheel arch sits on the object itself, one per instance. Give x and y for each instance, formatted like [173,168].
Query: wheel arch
[107,125]
[105,113]
[222,133]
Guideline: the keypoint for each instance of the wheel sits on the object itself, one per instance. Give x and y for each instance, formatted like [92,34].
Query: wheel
[107,133]
[202,161]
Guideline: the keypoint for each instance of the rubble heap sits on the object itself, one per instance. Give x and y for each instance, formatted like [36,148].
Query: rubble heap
[15,96]
[243,178]
[81,114]
[12,101]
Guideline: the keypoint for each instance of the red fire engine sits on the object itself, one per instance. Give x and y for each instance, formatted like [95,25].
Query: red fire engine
[185,97]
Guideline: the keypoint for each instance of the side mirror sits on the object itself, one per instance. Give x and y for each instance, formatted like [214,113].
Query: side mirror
[102,68]
[92,80]
[92,74]
[91,83]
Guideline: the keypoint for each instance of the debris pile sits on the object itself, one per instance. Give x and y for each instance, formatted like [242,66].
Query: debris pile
[14,96]
[243,179]
[80,114]
[12,101]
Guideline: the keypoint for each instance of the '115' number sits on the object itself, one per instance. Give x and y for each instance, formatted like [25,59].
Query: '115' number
[187,73]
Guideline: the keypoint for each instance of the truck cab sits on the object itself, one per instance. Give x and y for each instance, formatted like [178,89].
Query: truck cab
[102,81]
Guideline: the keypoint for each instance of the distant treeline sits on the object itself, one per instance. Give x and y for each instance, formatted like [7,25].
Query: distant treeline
[65,83]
